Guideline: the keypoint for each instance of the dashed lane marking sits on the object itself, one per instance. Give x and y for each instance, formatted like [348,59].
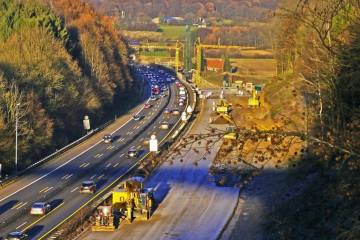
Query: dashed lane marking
[84,165]
[115,165]
[43,190]
[101,176]
[48,189]
[74,189]
[21,205]
[110,147]
[108,165]
[93,176]
[20,225]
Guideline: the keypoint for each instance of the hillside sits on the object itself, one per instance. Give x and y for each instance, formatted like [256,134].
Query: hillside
[234,10]
[58,64]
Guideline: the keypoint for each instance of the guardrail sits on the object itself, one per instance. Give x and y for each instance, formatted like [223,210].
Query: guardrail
[106,192]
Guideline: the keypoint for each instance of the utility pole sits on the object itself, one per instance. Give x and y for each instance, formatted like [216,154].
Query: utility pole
[16,136]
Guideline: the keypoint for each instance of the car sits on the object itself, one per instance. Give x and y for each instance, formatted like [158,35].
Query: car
[175,112]
[107,138]
[153,98]
[137,117]
[167,110]
[88,187]
[164,125]
[181,100]
[181,104]
[17,236]
[162,94]
[147,105]
[133,152]
[40,208]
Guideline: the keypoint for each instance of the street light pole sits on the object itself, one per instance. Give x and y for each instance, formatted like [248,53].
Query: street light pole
[16,137]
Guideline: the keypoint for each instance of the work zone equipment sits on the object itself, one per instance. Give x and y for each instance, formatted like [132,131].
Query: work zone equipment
[222,111]
[129,201]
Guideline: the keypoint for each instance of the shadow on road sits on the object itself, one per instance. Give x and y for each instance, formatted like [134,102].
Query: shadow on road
[7,206]
[32,232]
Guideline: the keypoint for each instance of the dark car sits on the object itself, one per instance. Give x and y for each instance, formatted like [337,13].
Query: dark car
[88,187]
[17,236]
[137,117]
[132,152]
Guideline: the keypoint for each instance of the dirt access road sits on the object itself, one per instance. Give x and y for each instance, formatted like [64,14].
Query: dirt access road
[190,205]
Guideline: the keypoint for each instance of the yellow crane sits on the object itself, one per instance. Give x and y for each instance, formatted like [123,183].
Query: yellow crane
[200,47]
[177,47]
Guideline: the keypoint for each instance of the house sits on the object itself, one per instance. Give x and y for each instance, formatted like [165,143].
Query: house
[215,65]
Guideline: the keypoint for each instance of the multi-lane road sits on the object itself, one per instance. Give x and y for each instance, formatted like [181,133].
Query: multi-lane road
[59,183]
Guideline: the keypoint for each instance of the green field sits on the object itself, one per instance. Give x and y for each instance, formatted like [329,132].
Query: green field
[156,53]
[173,32]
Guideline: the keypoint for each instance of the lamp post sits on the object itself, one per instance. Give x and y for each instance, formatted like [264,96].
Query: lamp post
[16,136]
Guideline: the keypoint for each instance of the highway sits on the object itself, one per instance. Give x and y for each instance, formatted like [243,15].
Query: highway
[59,183]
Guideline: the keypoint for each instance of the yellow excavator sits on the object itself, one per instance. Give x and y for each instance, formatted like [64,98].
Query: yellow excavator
[231,133]
[129,201]
[222,110]
[254,101]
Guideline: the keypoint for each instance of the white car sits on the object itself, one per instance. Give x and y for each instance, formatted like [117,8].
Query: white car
[107,138]
[40,208]
[175,112]
[164,125]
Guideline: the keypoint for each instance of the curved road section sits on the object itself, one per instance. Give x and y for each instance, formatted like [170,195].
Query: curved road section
[58,183]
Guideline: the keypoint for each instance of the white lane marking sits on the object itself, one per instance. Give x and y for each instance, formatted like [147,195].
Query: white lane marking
[43,190]
[108,165]
[70,160]
[99,155]
[115,165]
[93,176]
[101,176]
[48,189]
[16,205]
[20,225]
[110,147]
[86,164]
[121,140]
[122,155]
[64,177]
[21,205]
[74,189]
[69,176]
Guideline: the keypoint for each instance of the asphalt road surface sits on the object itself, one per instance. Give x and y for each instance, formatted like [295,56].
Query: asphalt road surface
[59,183]
[191,206]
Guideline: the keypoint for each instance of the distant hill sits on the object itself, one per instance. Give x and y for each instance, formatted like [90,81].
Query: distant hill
[236,10]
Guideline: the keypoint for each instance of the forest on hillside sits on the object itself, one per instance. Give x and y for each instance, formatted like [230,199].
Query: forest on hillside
[236,10]
[59,61]
[317,51]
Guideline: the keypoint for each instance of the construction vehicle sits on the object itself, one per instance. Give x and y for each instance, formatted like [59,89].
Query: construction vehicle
[223,107]
[222,112]
[129,201]
[231,133]
[254,99]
